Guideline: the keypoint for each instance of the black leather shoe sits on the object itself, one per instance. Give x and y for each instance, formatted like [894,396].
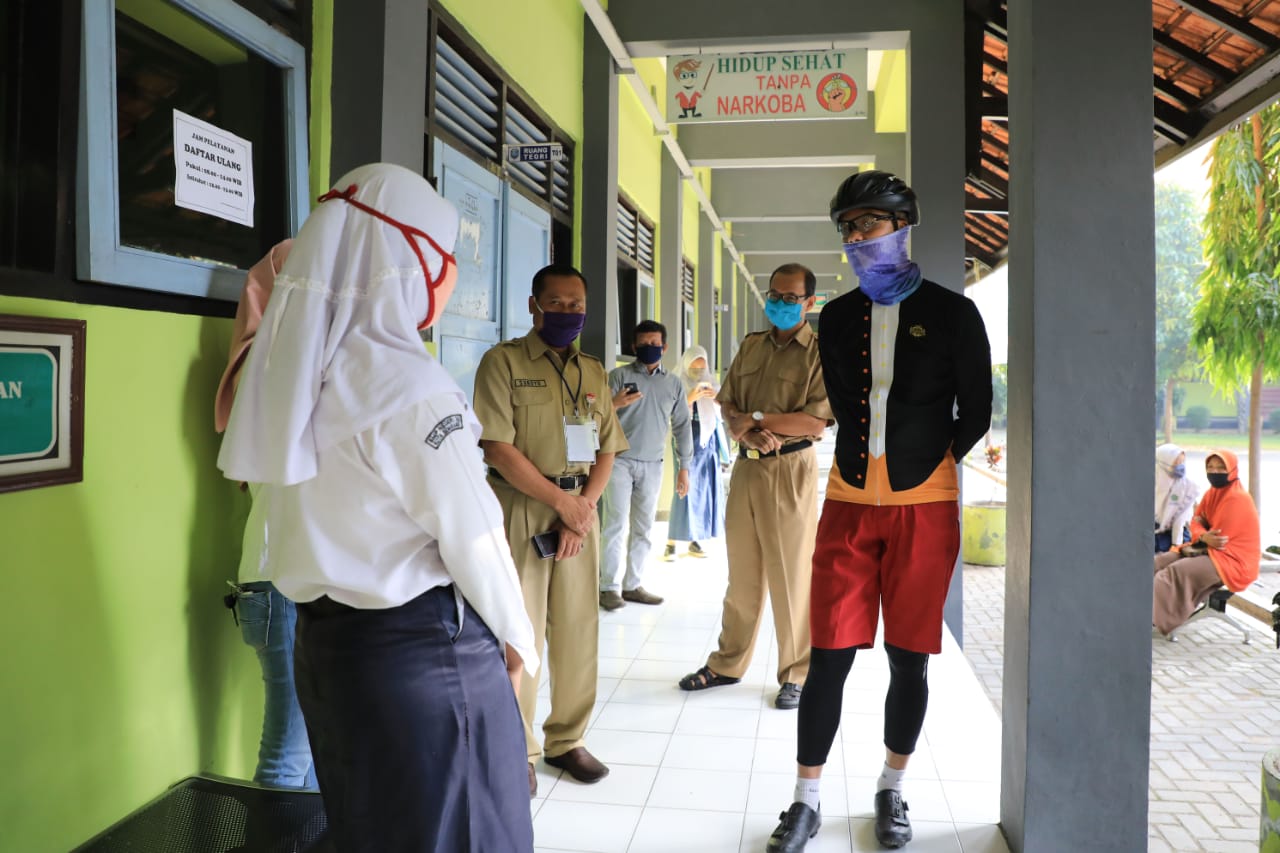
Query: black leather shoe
[799,824]
[893,830]
[788,697]
[580,764]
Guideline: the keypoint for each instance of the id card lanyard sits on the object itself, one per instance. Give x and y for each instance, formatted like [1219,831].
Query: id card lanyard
[581,436]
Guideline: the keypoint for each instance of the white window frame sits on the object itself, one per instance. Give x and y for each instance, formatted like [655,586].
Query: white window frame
[99,255]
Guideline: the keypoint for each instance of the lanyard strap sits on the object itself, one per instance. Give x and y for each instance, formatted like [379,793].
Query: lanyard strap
[573,395]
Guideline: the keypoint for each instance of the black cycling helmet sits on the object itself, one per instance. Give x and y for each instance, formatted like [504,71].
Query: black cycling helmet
[877,191]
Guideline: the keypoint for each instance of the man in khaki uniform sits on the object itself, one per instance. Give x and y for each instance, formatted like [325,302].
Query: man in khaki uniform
[775,407]
[549,437]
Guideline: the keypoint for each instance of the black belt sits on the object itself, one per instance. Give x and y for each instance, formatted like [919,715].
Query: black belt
[748,453]
[567,483]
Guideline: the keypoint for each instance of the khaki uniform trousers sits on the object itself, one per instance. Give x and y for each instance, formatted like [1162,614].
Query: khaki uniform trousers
[562,598]
[771,524]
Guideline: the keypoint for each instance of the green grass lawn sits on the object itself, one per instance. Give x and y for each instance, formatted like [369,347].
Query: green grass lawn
[1227,440]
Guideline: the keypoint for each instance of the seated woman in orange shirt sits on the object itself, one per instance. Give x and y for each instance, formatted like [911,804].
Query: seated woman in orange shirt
[1224,549]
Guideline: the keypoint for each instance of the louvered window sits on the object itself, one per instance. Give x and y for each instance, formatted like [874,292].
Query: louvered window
[626,231]
[476,108]
[635,236]
[466,101]
[686,281]
[644,245]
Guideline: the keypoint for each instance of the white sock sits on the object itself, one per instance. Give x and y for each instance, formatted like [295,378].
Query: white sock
[807,792]
[890,779]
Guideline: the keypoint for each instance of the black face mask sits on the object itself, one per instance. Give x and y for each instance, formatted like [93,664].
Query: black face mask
[1218,479]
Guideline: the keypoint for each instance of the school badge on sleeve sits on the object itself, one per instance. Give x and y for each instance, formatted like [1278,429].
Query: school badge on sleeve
[441,431]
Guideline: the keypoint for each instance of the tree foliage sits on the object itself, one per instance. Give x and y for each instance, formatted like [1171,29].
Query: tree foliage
[1179,264]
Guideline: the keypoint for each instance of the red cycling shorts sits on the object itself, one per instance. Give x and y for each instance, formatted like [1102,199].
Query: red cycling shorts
[895,558]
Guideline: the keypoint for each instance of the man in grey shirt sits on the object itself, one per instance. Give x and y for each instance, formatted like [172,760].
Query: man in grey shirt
[650,401]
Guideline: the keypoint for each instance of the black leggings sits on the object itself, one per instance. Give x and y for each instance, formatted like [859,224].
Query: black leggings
[822,697]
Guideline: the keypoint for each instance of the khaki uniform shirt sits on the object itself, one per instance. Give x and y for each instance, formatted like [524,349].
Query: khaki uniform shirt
[521,400]
[765,377]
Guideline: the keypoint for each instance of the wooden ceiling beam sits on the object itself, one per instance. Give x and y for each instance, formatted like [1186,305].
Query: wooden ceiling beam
[1232,23]
[1190,54]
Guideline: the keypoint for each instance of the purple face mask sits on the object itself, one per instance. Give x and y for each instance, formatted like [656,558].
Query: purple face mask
[885,273]
[559,329]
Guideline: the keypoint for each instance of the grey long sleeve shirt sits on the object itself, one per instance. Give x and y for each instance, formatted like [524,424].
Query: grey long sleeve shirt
[646,421]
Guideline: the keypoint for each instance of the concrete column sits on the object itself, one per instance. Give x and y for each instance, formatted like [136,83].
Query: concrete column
[600,196]
[706,292]
[670,232]
[727,294]
[379,84]
[1077,677]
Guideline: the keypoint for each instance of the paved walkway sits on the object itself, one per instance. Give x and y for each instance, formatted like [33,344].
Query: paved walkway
[1215,711]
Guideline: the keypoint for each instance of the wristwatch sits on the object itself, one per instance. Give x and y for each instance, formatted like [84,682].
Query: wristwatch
[758,417]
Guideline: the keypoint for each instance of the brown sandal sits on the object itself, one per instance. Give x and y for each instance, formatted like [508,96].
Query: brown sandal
[704,678]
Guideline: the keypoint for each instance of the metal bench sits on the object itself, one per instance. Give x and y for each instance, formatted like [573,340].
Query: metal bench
[211,814]
[1214,606]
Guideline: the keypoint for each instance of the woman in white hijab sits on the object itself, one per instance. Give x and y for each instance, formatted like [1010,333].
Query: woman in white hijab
[699,516]
[1175,497]
[380,526]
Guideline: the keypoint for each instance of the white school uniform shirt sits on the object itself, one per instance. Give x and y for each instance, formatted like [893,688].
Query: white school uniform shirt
[395,511]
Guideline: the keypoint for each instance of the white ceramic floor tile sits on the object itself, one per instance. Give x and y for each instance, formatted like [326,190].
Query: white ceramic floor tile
[777,723]
[626,717]
[705,790]
[778,755]
[680,831]
[618,747]
[697,637]
[655,650]
[704,752]
[725,722]
[973,802]
[670,671]
[637,692]
[861,728]
[771,793]
[981,838]
[607,667]
[626,785]
[585,826]
[749,695]
[548,776]
[833,837]
[927,837]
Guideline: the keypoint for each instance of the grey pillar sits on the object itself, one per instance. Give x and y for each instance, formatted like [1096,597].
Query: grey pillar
[727,294]
[706,308]
[1077,662]
[600,196]
[670,236]
[379,84]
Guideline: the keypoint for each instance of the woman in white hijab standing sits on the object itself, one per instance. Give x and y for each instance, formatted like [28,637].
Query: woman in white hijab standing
[699,516]
[379,524]
[1175,497]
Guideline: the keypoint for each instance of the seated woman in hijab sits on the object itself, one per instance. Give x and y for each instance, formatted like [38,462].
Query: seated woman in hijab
[1175,497]
[1223,551]
[381,527]
[699,516]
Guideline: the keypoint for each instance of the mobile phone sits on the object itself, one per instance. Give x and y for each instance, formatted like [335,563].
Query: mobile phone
[546,544]
[631,387]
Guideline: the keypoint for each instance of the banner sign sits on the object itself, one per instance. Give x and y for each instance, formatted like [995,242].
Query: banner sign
[753,86]
[214,170]
[543,152]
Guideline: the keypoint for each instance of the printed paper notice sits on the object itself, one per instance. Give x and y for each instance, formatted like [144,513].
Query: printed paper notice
[214,170]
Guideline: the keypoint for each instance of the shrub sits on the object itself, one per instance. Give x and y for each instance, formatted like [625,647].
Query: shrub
[1198,417]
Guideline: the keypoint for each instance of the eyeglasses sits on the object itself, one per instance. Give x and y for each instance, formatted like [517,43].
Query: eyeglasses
[788,298]
[863,224]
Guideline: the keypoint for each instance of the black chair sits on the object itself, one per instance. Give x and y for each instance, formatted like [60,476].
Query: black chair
[211,814]
[1214,606]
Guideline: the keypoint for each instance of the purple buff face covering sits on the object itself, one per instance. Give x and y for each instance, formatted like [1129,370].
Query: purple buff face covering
[559,329]
[885,273]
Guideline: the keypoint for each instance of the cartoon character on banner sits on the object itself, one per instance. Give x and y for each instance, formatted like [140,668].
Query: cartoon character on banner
[686,74]
[837,92]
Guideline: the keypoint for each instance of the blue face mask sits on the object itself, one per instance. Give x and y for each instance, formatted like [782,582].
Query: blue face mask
[648,354]
[782,315]
[885,273]
[1178,471]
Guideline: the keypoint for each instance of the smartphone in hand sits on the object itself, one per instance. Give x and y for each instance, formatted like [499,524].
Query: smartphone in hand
[631,387]
[546,544]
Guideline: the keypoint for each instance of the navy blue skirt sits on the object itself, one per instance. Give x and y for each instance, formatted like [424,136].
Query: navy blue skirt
[417,739]
[700,515]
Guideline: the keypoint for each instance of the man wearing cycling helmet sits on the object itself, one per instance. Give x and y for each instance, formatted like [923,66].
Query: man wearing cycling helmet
[907,367]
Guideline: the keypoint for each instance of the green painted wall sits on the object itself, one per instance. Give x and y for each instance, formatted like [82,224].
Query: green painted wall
[124,672]
[891,93]
[639,154]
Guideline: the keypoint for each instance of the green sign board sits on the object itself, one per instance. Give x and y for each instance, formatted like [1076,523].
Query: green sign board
[28,402]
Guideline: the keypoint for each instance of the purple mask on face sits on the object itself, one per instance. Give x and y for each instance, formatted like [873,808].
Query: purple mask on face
[885,273]
[559,328]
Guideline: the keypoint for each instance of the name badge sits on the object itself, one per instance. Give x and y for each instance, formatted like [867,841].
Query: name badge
[581,440]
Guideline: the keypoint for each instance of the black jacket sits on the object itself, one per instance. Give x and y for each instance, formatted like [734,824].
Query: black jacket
[940,398]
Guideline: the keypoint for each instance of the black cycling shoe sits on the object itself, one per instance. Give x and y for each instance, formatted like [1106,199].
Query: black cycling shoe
[893,830]
[799,824]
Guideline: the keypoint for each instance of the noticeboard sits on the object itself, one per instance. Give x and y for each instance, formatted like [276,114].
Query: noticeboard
[42,365]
